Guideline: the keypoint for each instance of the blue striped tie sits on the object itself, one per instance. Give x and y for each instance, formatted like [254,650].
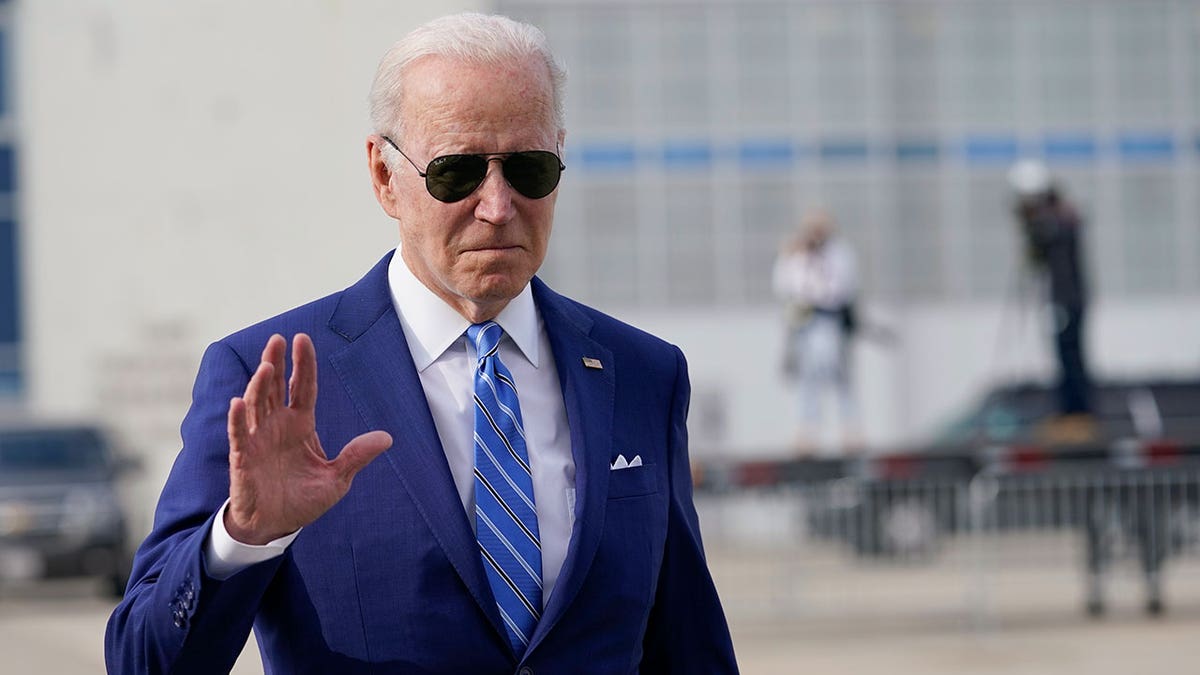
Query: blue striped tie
[505,518]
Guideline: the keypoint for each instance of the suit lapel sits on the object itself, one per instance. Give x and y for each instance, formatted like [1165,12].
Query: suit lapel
[380,378]
[377,370]
[588,395]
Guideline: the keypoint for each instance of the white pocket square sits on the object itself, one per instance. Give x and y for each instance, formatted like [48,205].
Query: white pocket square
[621,463]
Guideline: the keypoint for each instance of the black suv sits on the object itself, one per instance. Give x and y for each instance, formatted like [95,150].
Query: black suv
[1131,408]
[59,513]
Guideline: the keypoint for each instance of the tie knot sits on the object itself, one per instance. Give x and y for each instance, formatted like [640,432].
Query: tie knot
[486,337]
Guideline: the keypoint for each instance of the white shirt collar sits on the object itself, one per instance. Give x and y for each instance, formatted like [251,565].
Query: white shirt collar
[431,326]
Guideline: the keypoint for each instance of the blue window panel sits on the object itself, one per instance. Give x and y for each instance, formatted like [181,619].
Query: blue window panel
[991,149]
[10,311]
[841,150]
[9,284]
[766,153]
[917,151]
[10,384]
[607,157]
[1070,148]
[8,169]
[1146,147]
[4,61]
[687,154]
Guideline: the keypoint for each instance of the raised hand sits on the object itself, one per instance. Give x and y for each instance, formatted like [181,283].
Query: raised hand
[279,477]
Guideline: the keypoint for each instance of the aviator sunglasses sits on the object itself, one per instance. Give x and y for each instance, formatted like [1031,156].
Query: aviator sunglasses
[450,178]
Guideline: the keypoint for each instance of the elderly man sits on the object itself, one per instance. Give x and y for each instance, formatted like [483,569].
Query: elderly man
[419,516]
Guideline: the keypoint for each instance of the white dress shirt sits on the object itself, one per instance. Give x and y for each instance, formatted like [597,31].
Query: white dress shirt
[826,278]
[445,362]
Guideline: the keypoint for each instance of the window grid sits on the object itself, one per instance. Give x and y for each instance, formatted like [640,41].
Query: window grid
[902,117]
[11,330]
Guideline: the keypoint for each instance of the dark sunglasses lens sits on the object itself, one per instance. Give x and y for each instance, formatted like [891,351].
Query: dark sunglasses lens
[534,173]
[453,177]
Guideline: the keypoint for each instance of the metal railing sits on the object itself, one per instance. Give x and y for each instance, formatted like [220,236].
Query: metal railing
[1024,537]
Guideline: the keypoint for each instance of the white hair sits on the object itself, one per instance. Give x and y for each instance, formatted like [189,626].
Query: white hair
[469,37]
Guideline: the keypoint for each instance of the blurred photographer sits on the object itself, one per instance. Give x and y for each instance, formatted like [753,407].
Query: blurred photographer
[1051,227]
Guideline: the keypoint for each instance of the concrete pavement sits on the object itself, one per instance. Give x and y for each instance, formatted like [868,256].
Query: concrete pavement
[850,627]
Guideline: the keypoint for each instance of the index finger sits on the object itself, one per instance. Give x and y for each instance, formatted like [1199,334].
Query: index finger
[303,386]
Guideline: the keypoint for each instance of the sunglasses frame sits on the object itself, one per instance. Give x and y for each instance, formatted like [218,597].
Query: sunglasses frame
[503,157]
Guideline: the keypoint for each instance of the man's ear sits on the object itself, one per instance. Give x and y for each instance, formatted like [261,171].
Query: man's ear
[381,174]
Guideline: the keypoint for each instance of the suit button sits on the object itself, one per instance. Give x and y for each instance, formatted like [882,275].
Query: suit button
[525,670]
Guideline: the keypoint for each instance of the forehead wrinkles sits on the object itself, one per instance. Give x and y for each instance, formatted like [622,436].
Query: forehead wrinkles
[479,102]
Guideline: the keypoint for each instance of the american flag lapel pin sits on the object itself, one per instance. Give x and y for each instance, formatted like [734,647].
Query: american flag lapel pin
[589,362]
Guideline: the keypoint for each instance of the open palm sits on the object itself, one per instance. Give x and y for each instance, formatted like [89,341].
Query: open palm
[279,476]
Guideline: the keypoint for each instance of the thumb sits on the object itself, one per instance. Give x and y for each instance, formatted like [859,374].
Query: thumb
[360,451]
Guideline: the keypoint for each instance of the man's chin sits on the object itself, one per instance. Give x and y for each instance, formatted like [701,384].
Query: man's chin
[490,288]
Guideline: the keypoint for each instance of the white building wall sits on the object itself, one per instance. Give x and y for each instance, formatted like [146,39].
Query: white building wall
[191,168]
[187,169]
[941,360]
[190,164]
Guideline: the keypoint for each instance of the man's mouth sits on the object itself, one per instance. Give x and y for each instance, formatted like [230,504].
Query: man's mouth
[492,247]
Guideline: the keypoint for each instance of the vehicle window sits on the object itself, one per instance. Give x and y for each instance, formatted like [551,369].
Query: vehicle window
[1001,423]
[57,450]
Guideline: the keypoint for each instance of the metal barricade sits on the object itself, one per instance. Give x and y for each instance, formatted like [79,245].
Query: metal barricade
[963,548]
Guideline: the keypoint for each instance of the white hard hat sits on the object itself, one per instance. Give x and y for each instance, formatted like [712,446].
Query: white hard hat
[1029,177]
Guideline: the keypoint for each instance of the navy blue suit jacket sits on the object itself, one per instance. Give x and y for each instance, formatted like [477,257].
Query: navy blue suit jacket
[390,579]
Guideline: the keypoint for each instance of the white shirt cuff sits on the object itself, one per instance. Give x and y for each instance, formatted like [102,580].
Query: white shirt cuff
[225,556]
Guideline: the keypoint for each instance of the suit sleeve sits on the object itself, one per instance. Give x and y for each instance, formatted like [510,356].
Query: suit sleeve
[174,617]
[687,631]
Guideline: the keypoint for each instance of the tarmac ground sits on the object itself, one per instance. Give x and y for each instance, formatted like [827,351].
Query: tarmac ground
[823,614]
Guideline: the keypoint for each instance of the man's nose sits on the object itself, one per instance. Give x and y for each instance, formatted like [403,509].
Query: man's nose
[495,195]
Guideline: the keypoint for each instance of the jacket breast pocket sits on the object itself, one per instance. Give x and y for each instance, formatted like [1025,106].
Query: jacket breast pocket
[636,481]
